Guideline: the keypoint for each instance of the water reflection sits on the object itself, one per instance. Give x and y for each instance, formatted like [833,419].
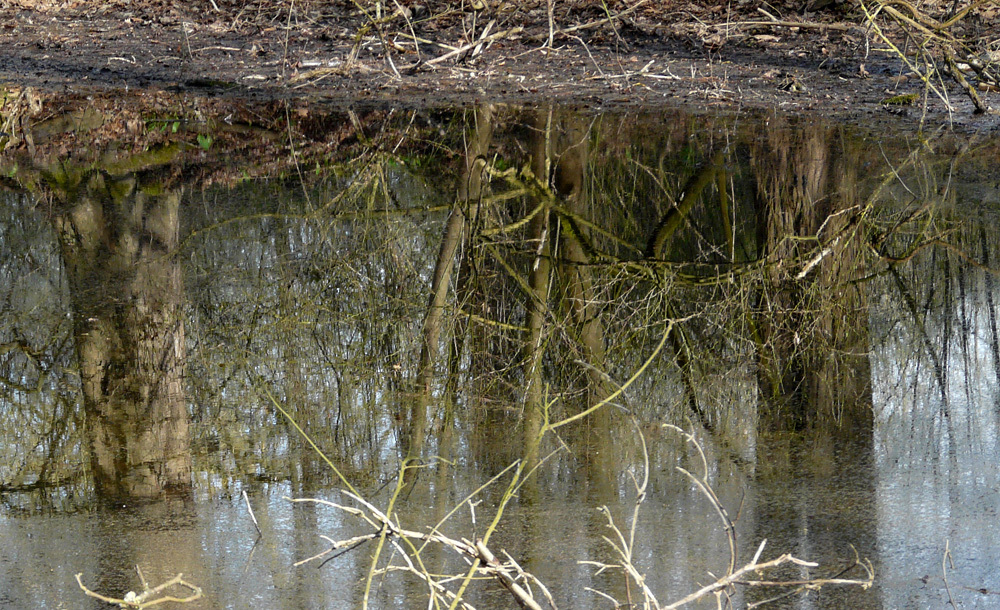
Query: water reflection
[439,289]
[118,240]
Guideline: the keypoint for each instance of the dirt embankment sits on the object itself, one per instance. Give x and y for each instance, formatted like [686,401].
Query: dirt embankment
[442,53]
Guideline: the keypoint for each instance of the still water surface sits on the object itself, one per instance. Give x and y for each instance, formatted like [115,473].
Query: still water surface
[167,313]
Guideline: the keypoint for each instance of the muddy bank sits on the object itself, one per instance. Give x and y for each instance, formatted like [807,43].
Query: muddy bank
[826,67]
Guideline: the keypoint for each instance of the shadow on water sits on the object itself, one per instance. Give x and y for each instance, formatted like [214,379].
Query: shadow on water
[290,303]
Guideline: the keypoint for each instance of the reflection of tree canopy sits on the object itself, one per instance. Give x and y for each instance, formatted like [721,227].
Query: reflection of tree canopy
[312,283]
[321,309]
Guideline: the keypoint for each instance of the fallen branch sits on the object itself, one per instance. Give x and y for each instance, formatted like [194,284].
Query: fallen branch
[507,573]
[503,574]
[812,583]
[142,600]
[806,25]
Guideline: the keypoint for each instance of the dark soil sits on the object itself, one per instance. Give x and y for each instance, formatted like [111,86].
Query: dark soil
[652,56]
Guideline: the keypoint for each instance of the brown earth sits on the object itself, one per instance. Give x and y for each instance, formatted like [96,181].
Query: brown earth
[697,53]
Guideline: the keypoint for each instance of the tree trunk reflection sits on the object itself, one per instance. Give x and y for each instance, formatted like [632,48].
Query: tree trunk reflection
[118,242]
[456,232]
[816,420]
[811,332]
[539,281]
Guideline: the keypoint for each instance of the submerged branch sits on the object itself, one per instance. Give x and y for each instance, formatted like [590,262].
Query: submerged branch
[753,566]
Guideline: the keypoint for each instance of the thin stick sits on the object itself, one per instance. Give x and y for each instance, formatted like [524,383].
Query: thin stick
[420,40]
[187,43]
[142,579]
[288,31]
[552,23]
[246,498]
[413,33]
[944,572]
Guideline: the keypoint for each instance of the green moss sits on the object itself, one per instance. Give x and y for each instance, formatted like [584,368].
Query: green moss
[907,99]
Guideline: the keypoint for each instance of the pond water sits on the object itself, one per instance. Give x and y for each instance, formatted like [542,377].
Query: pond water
[213,313]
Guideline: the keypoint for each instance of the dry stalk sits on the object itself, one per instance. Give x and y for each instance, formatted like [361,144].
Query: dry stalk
[439,594]
[623,546]
[409,24]
[376,22]
[529,577]
[705,487]
[945,560]
[624,549]
[811,584]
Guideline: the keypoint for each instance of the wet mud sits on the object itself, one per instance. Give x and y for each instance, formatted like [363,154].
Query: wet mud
[829,67]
